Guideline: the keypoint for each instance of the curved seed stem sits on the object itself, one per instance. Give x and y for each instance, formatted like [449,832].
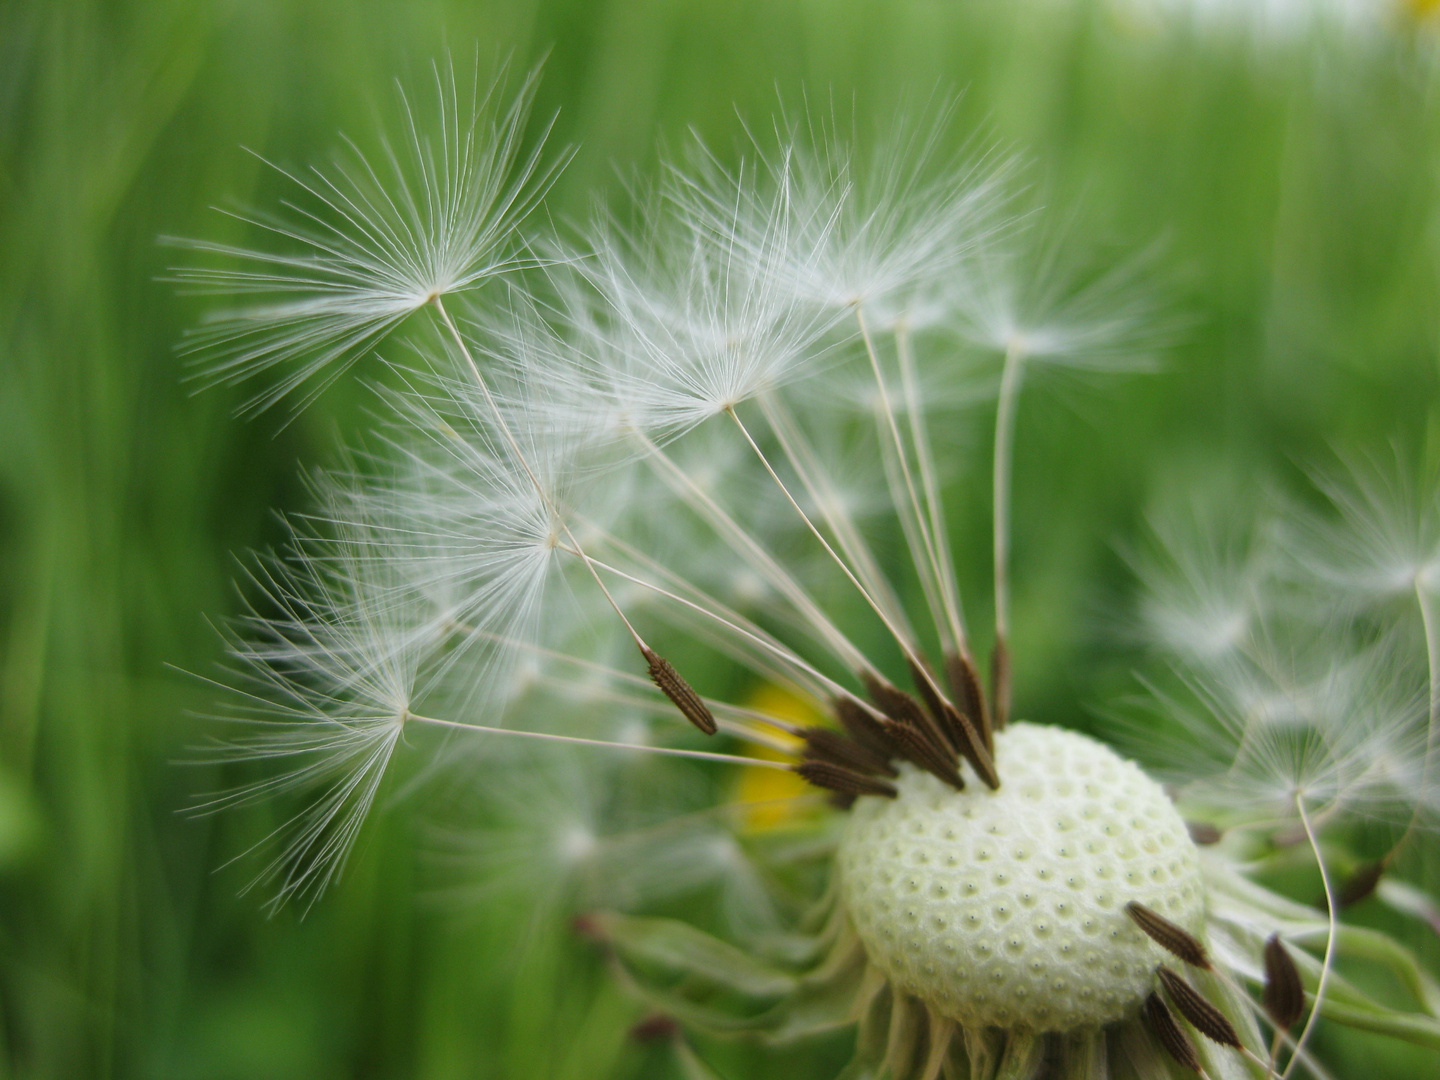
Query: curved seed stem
[1011,379]
[1432,659]
[1329,940]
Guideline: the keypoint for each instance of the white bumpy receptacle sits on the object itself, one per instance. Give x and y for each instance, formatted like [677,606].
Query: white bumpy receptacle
[1007,907]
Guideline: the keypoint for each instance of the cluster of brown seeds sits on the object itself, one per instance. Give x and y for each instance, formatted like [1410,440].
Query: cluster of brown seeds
[892,724]
[1283,999]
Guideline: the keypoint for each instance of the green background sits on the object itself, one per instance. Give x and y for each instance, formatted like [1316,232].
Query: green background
[1291,185]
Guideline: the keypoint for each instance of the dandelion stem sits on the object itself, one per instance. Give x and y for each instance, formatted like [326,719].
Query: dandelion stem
[1010,381]
[726,616]
[1256,1059]
[525,464]
[915,415]
[715,705]
[900,638]
[748,548]
[928,559]
[1432,659]
[759,639]
[1329,939]
[803,459]
[844,567]
[703,755]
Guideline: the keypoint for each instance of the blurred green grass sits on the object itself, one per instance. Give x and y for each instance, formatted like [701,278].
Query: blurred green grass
[1292,186]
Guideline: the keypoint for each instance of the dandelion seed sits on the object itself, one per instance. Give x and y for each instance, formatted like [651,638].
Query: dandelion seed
[1345,731]
[323,669]
[371,241]
[1384,542]
[1191,1004]
[878,231]
[697,316]
[844,780]
[1163,932]
[1176,1043]
[1284,994]
[1205,580]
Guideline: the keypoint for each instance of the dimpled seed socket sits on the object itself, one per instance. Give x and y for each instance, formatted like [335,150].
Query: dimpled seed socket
[1007,907]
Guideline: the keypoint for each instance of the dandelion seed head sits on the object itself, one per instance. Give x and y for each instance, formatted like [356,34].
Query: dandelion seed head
[1300,701]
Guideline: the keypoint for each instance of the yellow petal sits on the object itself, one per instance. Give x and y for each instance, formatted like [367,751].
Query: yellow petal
[778,797]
